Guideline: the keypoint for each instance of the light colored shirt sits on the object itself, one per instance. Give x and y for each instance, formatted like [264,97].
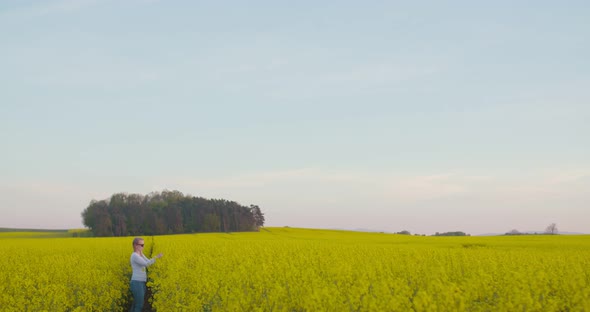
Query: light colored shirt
[138,264]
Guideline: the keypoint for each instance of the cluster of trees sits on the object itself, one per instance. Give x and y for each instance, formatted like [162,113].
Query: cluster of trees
[405,232]
[168,212]
[457,233]
[551,229]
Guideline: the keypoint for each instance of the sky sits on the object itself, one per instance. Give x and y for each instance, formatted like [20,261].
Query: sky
[426,116]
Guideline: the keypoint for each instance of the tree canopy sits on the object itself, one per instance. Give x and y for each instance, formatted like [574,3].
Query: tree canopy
[168,212]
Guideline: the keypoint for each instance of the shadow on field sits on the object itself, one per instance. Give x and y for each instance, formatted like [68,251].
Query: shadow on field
[147,305]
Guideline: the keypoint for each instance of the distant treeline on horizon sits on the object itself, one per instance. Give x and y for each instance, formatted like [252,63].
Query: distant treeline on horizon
[168,212]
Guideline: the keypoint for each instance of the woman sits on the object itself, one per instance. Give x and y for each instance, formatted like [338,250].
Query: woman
[139,262]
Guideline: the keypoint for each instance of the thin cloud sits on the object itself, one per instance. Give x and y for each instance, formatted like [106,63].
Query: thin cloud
[390,188]
[47,8]
[377,74]
[341,194]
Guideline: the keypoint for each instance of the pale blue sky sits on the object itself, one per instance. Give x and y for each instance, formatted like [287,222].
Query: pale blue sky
[421,116]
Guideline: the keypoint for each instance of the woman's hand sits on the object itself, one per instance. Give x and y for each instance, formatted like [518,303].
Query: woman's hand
[159,255]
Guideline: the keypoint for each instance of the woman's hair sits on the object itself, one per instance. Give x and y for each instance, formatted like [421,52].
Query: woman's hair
[136,240]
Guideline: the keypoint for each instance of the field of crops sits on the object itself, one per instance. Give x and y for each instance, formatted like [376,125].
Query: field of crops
[63,274]
[284,269]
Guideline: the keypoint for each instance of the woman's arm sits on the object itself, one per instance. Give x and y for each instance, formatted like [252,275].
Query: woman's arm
[142,261]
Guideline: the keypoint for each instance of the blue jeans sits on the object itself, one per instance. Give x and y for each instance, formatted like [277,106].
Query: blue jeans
[138,291]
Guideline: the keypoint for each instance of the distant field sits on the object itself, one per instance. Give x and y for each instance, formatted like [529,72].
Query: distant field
[28,230]
[287,269]
[40,233]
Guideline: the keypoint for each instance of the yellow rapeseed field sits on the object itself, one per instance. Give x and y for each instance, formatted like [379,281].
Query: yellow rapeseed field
[63,274]
[284,269]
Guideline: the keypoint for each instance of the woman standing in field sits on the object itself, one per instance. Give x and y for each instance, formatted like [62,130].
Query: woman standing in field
[139,262]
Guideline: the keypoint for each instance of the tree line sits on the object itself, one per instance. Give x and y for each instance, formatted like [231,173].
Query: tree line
[457,233]
[168,212]
[551,229]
